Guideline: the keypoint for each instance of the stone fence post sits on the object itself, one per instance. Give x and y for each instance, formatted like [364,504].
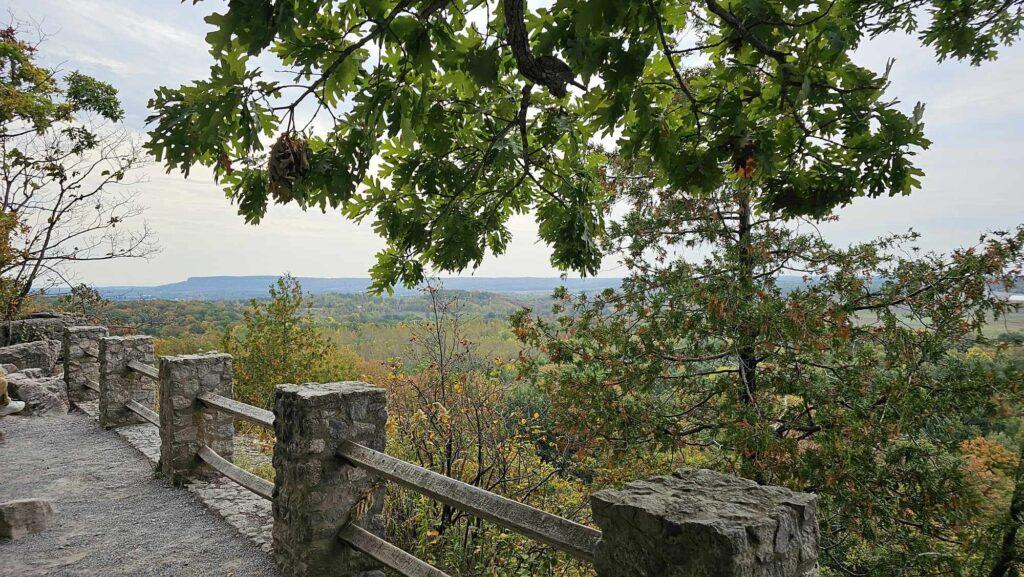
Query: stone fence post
[80,348]
[185,424]
[119,384]
[315,492]
[698,522]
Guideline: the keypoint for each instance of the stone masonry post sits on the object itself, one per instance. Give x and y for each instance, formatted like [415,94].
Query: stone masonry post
[315,492]
[698,522]
[81,350]
[185,424]
[119,384]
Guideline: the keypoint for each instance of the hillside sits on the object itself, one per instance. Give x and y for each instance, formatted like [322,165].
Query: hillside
[244,287]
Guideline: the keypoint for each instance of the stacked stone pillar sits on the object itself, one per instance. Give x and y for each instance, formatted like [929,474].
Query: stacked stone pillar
[185,423]
[316,492]
[81,350]
[698,522]
[119,384]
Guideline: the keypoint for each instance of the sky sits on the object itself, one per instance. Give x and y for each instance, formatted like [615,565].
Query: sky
[973,169]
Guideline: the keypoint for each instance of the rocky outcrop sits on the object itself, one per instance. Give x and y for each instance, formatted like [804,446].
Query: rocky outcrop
[24,517]
[43,395]
[698,522]
[34,355]
[41,327]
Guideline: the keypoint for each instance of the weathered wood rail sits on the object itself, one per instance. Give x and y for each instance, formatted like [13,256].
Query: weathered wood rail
[254,483]
[386,553]
[242,411]
[149,415]
[148,370]
[329,450]
[562,534]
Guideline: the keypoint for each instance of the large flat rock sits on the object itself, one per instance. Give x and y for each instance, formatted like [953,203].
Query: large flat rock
[39,328]
[42,395]
[35,355]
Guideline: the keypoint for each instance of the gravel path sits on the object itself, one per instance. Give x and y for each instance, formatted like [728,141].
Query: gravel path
[113,516]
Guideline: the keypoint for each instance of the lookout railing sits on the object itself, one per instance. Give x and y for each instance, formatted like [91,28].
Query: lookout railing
[330,465]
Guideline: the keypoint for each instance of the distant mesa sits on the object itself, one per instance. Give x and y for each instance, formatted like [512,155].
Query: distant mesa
[246,287]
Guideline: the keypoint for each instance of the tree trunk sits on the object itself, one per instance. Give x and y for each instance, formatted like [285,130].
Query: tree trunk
[748,335]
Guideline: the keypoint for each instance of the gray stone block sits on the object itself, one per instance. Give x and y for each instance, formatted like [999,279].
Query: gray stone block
[119,384]
[185,424]
[24,517]
[44,327]
[37,354]
[698,523]
[315,492]
[42,395]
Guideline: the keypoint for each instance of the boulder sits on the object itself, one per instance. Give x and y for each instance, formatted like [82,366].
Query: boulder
[40,327]
[35,355]
[699,522]
[24,517]
[8,368]
[42,395]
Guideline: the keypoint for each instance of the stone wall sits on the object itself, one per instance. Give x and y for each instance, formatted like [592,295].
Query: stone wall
[315,492]
[185,424]
[119,384]
[81,350]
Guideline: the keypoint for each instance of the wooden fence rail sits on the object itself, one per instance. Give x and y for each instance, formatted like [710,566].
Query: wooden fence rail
[254,483]
[141,368]
[144,412]
[243,411]
[387,554]
[562,534]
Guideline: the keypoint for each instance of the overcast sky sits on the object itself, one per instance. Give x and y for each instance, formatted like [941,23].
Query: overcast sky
[973,170]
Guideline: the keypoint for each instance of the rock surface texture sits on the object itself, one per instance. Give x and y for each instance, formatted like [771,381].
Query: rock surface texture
[24,517]
[47,326]
[314,490]
[701,523]
[37,354]
[42,395]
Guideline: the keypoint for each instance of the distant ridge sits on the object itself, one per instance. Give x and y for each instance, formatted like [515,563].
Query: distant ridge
[246,287]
